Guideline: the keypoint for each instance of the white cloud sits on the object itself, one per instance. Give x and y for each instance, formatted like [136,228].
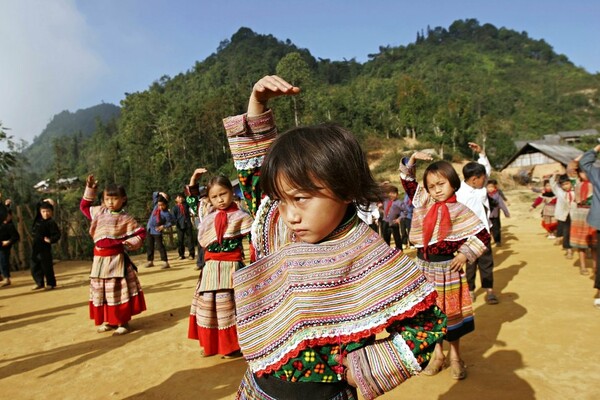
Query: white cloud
[46,63]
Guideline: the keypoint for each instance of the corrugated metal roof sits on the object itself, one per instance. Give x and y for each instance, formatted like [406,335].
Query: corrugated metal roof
[561,153]
[583,132]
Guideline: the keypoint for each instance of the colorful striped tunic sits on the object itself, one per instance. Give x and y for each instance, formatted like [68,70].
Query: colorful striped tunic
[468,235]
[321,301]
[115,291]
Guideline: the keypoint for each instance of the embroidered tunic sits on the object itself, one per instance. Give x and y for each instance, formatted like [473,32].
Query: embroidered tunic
[325,299]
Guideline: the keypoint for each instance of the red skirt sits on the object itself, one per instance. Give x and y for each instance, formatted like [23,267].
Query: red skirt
[115,300]
[212,322]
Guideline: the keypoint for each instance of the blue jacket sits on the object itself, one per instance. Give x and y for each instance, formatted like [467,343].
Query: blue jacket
[158,217]
[593,173]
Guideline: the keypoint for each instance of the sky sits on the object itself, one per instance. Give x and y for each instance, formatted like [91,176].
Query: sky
[58,55]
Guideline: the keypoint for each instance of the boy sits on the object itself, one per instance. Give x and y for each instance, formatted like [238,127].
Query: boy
[473,194]
[159,220]
[181,213]
[390,224]
[45,232]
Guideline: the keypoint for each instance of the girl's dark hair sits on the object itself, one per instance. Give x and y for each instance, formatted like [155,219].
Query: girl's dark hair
[112,189]
[317,157]
[445,169]
[220,180]
[492,182]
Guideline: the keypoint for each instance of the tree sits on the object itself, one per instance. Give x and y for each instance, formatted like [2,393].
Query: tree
[7,158]
[295,70]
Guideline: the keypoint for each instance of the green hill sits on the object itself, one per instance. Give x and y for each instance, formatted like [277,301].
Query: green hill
[467,82]
[66,127]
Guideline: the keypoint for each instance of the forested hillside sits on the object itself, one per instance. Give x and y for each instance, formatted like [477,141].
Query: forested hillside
[65,133]
[467,82]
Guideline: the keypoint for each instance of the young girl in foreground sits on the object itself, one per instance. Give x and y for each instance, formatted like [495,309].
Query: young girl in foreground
[446,234]
[325,283]
[115,291]
[212,316]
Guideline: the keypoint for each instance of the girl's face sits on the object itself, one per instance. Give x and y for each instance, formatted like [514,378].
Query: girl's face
[439,187]
[312,217]
[491,188]
[114,203]
[220,197]
[547,188]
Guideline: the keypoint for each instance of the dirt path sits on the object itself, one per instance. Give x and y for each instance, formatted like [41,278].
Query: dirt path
[540,342]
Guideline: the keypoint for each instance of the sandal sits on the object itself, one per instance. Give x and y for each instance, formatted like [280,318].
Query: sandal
[106,328]
[491,298]
[235,354]
[434,367]
[458,369]
[121,330]
[584,271]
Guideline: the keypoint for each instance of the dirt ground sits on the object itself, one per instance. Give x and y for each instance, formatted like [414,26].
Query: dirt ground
[540,342]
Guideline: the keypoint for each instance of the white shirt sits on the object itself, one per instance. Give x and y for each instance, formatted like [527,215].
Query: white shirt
[371,214]
[476,199]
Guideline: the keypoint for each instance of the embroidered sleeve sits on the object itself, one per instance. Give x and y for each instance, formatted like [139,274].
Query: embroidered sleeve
[380,367]
[475,246]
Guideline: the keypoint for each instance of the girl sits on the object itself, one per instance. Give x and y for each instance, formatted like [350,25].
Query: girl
[212,316]
[325,283]
[446,234]
[549,222]
[582,235]
[115,291]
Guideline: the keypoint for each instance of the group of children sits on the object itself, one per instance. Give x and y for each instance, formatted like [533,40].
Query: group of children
[313,260]
[565,201]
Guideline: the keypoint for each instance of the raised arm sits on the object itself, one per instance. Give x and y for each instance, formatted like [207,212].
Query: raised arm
[89,195]
[483,160]
[250,135]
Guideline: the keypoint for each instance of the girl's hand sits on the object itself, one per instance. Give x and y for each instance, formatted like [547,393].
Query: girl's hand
[267,88]
[198,172]
[91,182]
[418,155]
[458,262]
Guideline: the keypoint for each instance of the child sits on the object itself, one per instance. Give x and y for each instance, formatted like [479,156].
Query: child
[582,235]
[199,207]
[212,315]
[390,225]
[496,201]
[324,284]
[181,214]
[370,216]
[159,220]
[115,291]
[406,220]
[45,232]
[586,163]
[549,222]
[446,234]
[565,196]
[8,237]
[473,194]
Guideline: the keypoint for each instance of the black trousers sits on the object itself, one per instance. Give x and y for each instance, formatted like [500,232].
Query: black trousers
[485,265]
[597,275]
[495,229]
[155,241]
[388,230]
[184,239]
[405,230]
[564,227]
[42,268]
